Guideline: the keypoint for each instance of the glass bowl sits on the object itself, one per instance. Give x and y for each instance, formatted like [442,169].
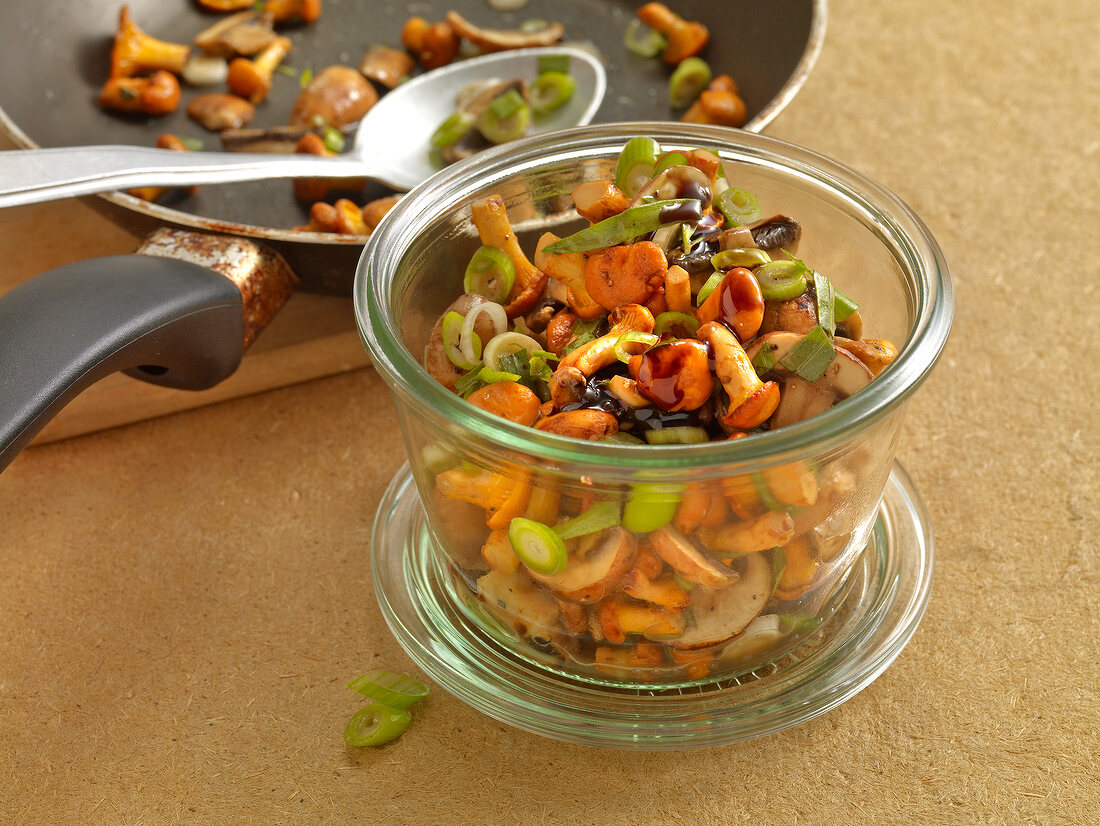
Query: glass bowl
[730,555]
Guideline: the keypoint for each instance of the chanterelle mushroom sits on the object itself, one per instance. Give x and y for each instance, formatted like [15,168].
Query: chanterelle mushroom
[689,561]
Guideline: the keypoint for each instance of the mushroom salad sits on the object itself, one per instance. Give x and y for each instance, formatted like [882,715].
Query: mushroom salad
[680,315]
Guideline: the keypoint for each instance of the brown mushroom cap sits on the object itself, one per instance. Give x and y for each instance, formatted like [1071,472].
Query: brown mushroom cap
[435,355]
[339,95]
[218,111]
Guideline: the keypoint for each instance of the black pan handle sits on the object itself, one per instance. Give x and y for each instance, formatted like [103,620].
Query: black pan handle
[162,320]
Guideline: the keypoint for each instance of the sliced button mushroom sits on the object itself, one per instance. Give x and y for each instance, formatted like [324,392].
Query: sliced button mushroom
[499,40]
[595,576]
[720,614]
[245,33]
[795,315]
[386,65]
[338,95]
[520,603]
[777,232]
[219,111]
[845,376]
[276,139]
[690,561]
[679,181]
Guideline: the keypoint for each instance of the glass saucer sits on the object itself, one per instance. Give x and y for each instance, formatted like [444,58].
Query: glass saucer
[887,594]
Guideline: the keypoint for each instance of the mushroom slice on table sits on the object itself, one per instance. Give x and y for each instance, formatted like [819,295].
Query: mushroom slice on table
[593,577]
[722,613]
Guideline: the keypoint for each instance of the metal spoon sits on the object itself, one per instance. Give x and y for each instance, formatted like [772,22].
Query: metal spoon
[391,144]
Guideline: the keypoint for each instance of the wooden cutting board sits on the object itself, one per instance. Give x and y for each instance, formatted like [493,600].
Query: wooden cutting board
[313,336]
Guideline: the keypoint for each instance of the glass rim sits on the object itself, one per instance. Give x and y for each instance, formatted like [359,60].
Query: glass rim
[917,251]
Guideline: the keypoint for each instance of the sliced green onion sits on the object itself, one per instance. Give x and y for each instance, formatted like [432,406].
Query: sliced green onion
[779,563]
[506,343]
[635,165]
[689,78]
[650,506]
[710,286]
[453,129]
[550,91]
[670,320]
[642,40]
[584,331]
[334,140]
[669,159]
[826,303]
[389,688]
[471,350]
[764,361]
[533,25]
[739,207]
[598,517]
[792,624]
[490,376]
[192,144]
[621,228]
[305,77]
[765,494]
[452,342]
[809,358]
[506,119]
[844,306]
[375,725]
[468,382]
[748,257]
[490,274]
[554,64]
[621,437]
[684,435]
[537,545]
[288,71]
[632,337]
[780,280]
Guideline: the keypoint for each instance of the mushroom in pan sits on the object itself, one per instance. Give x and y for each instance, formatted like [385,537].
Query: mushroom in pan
[158,94]
[135,52]
[246,33]
[251,79]
[685,37]
[218,111]
[386,65]
[499,40]
[337,96]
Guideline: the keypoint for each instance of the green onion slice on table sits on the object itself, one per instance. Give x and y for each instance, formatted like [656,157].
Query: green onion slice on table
[389,688]
[375,725]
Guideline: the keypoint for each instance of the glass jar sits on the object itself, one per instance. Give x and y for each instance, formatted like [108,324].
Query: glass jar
[725,554]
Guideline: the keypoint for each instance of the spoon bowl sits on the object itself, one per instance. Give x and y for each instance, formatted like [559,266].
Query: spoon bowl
[391,144]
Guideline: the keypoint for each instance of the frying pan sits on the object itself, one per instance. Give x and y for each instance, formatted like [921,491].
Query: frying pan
[57,55]
[178,324]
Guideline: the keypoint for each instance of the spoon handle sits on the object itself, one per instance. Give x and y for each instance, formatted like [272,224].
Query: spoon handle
[29,176]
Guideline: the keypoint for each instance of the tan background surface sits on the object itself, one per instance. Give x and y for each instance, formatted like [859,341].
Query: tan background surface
[183,600]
